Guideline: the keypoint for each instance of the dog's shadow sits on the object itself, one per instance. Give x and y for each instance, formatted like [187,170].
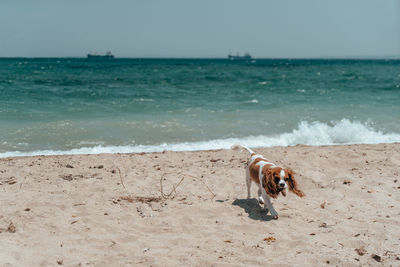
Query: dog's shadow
[253,209]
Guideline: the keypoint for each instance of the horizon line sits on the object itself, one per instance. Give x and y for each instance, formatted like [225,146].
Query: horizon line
[394,57]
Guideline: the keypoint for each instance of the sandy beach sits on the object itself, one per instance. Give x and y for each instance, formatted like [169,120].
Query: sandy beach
[122,209]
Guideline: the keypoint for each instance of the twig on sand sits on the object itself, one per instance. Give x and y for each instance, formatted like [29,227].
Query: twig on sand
[176,186]
[120,177]
[167,196]
[199,179]
[164,197]
[141,199]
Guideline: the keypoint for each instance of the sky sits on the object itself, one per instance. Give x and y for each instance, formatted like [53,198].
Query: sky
[205,28]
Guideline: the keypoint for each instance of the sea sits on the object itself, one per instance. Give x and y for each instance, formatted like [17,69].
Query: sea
[51,106]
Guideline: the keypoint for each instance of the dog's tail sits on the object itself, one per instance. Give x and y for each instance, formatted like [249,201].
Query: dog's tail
[240,147]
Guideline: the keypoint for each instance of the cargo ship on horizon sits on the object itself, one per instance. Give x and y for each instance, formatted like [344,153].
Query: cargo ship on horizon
[108,55]
[239,57]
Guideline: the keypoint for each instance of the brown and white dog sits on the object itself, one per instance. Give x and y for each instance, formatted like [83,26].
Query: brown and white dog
[271,179]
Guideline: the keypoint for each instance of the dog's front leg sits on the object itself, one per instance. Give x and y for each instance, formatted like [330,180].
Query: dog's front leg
[268,204]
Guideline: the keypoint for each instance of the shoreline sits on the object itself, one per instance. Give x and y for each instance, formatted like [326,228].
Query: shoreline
[342,132]
[73,152]
[77,209]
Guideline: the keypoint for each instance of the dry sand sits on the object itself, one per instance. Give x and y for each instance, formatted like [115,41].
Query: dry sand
[73,210]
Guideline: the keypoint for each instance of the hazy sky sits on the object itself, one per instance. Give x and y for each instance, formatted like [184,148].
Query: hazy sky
[202,28]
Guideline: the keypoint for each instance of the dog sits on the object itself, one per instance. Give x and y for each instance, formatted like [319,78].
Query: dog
[271,179]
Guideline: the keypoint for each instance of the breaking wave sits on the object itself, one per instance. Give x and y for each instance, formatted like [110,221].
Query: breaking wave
[313,134]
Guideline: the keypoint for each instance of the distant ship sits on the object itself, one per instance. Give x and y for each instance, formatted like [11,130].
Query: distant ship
[238,57]
[108,55]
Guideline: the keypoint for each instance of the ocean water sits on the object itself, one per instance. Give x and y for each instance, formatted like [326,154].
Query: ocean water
[71,106]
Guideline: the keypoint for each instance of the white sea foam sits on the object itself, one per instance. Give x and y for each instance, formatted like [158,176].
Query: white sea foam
[253,101]
[314,134]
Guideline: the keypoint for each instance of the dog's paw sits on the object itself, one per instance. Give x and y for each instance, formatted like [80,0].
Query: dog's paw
[274,214]
[261,200]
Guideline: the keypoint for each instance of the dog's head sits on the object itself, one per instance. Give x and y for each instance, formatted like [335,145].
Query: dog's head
[278,179]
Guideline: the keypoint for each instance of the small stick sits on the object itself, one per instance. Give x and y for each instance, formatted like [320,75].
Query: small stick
[203,183]
[120,177]
[173,188]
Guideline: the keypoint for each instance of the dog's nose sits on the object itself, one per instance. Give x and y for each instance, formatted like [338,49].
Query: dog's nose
[282,184]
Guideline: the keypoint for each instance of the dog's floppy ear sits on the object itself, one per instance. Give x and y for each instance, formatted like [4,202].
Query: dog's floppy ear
[293,184]
[271,188]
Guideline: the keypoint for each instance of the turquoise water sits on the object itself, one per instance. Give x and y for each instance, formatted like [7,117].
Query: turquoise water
[50,106]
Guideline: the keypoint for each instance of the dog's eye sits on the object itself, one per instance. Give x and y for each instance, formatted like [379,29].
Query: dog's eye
[286,179]
[276,179]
